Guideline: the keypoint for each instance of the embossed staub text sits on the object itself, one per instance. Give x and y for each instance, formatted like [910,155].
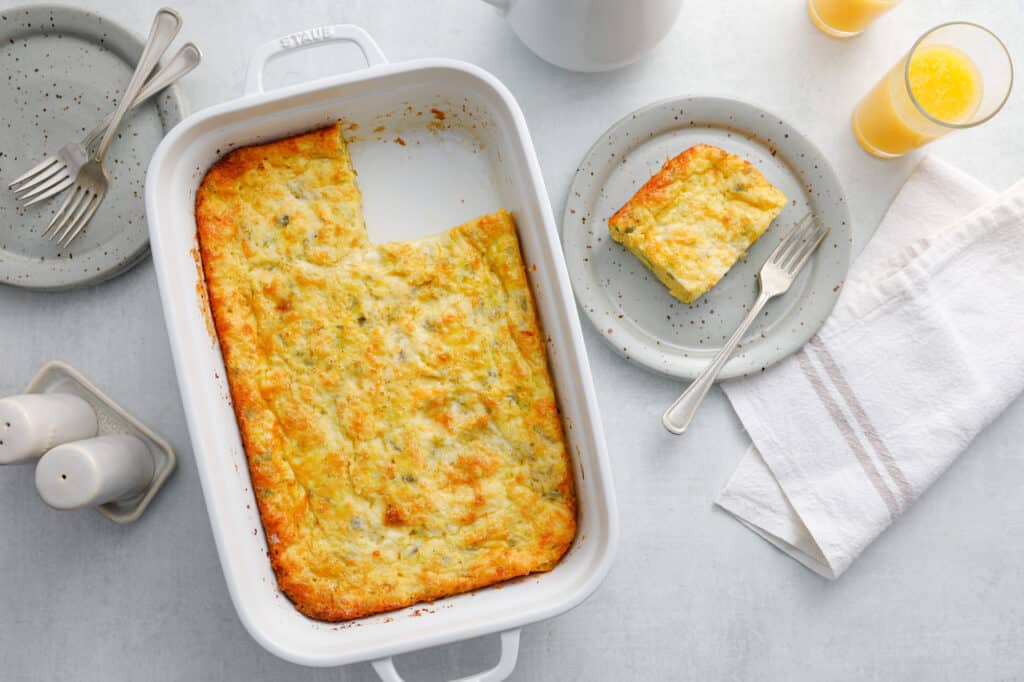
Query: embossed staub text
[313,35]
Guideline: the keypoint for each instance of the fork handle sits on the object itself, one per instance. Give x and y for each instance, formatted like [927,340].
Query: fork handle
[184,60]
[678,417]
[165,26]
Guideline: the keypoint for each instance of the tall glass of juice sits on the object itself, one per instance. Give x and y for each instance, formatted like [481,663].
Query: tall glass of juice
[957,75]
[846,18]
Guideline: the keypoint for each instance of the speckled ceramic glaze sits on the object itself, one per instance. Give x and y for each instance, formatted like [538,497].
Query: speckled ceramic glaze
[62,70]
[632,309]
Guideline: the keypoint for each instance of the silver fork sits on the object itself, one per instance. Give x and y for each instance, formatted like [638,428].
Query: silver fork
[774,278]
[55,173]
[91,183]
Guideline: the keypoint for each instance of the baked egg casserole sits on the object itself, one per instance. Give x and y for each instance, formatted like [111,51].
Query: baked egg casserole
[398,416]
[696,217]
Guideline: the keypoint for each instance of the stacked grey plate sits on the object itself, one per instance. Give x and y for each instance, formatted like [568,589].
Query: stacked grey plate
[62,70]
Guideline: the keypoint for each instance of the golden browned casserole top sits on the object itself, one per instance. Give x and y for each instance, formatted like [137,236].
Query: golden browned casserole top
[398,416]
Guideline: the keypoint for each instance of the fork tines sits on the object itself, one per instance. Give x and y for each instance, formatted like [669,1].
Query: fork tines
[73,215]
[799,243]
[41,182]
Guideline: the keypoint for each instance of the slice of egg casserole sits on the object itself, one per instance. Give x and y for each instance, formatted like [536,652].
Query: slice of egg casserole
[696,217]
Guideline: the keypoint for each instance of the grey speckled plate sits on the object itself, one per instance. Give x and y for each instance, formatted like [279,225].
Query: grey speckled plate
[62,70]
[632,309]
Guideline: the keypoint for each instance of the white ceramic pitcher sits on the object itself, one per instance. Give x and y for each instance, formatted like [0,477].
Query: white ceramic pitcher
[590,35]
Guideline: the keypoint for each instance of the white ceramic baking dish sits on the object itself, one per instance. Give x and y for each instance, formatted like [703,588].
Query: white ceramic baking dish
[436,142]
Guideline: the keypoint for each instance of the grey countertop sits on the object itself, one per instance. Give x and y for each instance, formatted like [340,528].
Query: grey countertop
[692,594]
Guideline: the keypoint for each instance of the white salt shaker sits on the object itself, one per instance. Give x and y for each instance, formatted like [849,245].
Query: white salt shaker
[92,472]
[33,423]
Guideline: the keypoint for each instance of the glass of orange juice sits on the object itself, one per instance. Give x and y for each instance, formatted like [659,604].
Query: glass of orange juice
[957,75]
[846,18]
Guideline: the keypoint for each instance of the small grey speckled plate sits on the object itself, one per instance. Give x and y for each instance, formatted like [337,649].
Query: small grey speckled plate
[629,306]
[62,70]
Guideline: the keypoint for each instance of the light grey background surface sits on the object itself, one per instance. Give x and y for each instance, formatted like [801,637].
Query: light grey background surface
[692,594]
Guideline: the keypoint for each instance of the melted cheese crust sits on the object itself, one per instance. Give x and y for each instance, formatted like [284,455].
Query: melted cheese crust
[398,415]
[696,217]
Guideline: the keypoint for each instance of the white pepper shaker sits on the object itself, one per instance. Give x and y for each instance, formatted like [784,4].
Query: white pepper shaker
[32,423]
[92,472]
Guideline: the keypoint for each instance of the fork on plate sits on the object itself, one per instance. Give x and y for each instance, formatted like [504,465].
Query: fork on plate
[55,173]
[775,278]
[91,181]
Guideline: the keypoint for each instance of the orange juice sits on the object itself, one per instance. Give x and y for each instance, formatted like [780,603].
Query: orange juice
[947,87]
[845,18]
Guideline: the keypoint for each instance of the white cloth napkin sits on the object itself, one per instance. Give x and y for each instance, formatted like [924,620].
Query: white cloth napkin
[922,352]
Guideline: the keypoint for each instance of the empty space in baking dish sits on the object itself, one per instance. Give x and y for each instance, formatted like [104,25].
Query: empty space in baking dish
[434,158]
[474,160]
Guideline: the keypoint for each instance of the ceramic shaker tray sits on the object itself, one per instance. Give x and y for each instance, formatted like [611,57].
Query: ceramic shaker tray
[62,71]
[632,310]
[57,377]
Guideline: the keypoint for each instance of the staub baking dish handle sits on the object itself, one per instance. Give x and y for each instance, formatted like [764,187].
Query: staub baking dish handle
[385,667]
[303,40]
